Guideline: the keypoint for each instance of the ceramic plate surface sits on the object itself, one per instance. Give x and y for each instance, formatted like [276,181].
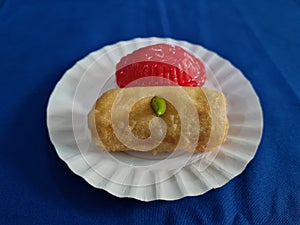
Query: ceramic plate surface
[142,175]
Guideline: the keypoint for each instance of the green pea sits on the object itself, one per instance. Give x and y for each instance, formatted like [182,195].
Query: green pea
[158,105]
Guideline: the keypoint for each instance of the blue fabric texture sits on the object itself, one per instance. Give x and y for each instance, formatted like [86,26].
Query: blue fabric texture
[40,40]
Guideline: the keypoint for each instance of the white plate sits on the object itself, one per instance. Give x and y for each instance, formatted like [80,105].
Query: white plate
[142,175]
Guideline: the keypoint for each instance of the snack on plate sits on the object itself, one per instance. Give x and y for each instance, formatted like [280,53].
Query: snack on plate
[210,106]
[196,122]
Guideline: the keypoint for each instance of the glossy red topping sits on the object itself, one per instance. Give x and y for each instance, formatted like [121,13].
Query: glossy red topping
[160,60]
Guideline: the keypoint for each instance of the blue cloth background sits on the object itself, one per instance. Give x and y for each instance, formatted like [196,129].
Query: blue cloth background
[40,40]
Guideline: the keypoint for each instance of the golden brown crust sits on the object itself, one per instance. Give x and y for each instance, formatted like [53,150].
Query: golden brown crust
[210,105]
